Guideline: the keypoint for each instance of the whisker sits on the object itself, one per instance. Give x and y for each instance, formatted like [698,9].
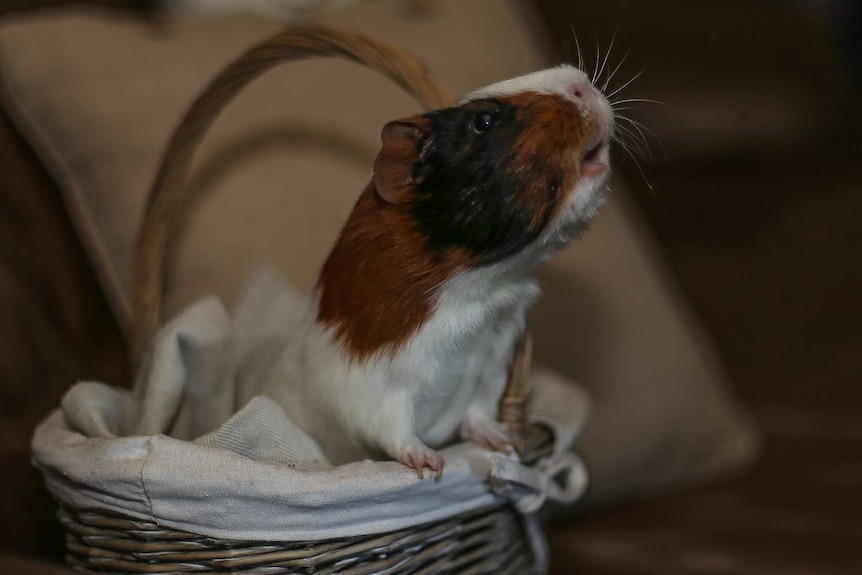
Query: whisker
[640,130]
[634,143]
[625,145]
[598,57]
[608,55]
[646,100]
[637,135]
[643,175]
[642,126]
[611,77]
[578,46]
[629,134]
[635,131]
[633,147]
[625,138]
[640,169]
[624,86]
[626,148]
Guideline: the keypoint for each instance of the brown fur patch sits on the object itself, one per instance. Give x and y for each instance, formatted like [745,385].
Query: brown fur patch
[552,144]
[378,285]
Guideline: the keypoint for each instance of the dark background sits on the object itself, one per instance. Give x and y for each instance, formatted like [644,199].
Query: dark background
[759,219]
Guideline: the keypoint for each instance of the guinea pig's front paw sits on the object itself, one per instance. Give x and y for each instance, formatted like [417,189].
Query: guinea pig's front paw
[418,456]
[486,433]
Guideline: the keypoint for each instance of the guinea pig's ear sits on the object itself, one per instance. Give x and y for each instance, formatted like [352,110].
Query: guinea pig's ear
[393,168]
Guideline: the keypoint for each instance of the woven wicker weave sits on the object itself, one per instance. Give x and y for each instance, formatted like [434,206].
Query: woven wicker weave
[488,541]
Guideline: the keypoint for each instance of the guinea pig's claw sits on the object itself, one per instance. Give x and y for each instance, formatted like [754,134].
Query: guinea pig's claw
[487,434]
[419,457]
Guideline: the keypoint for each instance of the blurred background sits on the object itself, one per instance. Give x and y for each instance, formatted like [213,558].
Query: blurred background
[754,196]
[751,183]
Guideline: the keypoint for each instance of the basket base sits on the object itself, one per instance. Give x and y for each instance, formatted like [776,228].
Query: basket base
[488,541]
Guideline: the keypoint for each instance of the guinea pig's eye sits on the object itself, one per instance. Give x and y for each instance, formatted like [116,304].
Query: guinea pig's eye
[483,122]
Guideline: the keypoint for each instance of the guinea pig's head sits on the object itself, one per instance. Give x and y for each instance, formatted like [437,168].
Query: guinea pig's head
[513,164]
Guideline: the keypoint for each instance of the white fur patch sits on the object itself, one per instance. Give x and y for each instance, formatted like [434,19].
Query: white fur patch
[550,81]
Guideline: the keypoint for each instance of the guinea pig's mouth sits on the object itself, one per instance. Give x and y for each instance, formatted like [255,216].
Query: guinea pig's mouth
[592,163]
[593,153]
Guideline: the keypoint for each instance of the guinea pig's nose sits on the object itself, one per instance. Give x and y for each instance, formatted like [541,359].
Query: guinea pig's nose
[582,91]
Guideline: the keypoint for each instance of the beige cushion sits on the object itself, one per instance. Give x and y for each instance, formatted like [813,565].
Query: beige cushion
[281,169]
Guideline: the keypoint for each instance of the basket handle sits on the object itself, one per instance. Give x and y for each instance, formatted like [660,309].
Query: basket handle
[166,194]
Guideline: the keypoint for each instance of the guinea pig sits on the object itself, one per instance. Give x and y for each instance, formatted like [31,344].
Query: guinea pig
[416,314]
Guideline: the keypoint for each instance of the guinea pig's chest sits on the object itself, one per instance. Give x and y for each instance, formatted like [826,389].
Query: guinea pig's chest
[467,345]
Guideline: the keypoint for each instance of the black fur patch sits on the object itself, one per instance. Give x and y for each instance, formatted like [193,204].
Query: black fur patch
[467,193]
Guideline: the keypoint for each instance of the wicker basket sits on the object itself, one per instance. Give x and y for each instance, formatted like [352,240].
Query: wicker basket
[492,540]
